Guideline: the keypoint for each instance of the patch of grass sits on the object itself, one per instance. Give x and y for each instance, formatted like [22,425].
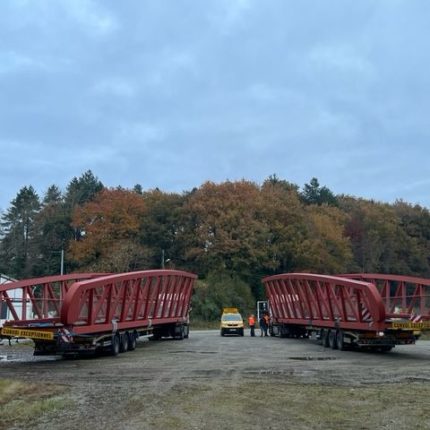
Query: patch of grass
[21,403]
[282,405]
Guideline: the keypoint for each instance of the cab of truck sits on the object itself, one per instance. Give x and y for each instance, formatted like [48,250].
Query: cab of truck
[231,322]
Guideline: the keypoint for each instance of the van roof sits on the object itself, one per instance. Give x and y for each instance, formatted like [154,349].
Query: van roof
[230,311]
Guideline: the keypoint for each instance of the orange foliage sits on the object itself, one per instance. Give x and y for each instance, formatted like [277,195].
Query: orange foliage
[114,216]
[227,228]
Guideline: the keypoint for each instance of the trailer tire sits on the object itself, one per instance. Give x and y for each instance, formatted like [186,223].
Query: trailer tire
[325,337]
[132,341]
[340,341]
[181,334]
[332,339]
[186,331]
[123,346]
[115,344]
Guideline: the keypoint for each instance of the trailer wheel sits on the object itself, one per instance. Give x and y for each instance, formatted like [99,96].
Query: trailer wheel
[181,334]
[132,341]
[340,341]
[123,346]
[186,331]
[114,347]
[325,337]
[332,339]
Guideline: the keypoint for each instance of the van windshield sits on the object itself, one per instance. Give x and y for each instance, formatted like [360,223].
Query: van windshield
[231,318]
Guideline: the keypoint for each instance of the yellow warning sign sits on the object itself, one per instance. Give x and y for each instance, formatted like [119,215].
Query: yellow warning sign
[424,325]
[32,334]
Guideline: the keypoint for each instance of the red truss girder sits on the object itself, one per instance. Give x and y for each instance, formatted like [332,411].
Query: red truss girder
[128,300]
[403,296]
[321,300]
[39,298]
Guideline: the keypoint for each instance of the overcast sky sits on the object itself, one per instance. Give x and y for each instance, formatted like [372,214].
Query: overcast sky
[171,93]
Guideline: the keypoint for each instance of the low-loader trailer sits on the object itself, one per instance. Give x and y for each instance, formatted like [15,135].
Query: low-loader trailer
[365,311]
[88,313]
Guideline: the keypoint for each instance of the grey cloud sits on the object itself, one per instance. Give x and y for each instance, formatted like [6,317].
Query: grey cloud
[170,94]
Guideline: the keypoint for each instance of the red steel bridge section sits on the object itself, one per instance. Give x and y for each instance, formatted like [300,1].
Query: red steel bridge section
[136,299]
[38,299]
[95,302]
[353,301]
[403,296]
[309,299]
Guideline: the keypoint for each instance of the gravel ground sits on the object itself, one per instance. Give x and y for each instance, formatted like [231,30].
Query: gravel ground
[214,382]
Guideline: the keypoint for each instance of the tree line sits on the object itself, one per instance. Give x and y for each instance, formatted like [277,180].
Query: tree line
[231,234]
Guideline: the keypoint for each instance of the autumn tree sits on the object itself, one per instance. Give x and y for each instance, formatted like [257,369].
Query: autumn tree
[326,247]
[284,216]
[110,225]
[224,228]
[381,244]
[160,227]
[303,237]
[414,220]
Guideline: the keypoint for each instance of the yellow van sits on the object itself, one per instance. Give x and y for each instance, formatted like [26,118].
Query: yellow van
[231,322]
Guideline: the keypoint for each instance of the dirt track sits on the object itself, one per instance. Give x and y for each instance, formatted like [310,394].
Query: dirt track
[213,382]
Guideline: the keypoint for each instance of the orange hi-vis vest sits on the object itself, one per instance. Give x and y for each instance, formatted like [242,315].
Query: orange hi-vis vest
[251,321]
